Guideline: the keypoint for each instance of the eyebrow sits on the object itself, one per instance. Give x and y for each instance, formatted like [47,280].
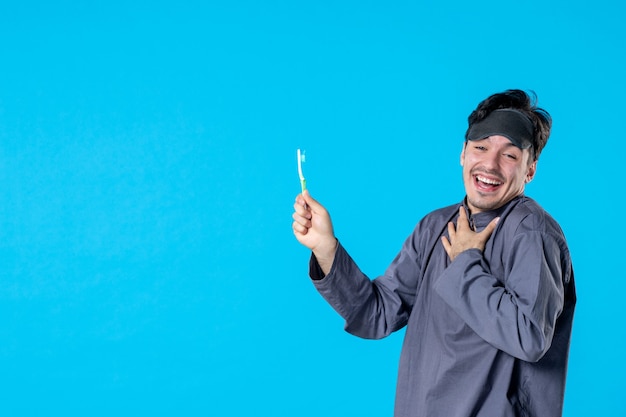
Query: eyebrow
[488,139]
[511,144]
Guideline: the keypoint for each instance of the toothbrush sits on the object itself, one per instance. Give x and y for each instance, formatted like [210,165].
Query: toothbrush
[301,159]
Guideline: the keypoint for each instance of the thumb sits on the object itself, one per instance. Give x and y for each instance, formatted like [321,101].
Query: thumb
[311,202]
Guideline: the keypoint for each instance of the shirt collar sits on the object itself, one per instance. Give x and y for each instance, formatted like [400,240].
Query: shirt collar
[479,221]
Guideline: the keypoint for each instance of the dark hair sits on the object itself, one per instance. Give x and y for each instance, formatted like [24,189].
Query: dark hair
[524,102]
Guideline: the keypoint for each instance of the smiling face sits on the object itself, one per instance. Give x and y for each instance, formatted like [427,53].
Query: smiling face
[494,172]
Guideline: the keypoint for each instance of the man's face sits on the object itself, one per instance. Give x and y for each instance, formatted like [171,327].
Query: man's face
[494,172]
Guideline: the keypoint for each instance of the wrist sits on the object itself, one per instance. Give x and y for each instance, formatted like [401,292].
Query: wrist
[327,249]
[325,254]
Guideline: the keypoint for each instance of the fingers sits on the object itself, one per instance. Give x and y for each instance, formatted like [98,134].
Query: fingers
[311,202]
[300,200]
[462,237]
[301,208]
[451,231]
[488,230]
[313,227]
[299,229]
[462,213]
[463,222]
[301,218]
[306,208]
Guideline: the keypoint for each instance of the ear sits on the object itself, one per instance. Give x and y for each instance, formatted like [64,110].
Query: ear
[463,153]
[532,170]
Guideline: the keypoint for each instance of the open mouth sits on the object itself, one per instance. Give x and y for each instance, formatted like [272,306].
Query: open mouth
[485,183]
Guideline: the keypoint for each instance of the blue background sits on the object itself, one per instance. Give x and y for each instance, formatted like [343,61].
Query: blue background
[148,172]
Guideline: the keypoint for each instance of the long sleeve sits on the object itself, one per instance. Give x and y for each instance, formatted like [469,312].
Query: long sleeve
[371,309]
[486,334]
[375,308]
[516,313]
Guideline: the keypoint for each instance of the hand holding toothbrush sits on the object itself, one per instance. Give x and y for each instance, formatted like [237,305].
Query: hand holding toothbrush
[312,225]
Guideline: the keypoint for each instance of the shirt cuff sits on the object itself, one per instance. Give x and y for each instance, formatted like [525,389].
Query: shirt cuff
[315,270]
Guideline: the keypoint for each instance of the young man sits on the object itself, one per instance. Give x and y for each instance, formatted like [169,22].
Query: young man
[485,287]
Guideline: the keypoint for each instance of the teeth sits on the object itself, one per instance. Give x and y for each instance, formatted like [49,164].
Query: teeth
[487,180]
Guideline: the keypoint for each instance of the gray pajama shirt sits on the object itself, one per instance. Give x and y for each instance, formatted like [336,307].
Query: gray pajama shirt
[487,334]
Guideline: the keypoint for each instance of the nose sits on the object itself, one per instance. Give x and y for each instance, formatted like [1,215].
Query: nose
[491,160]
